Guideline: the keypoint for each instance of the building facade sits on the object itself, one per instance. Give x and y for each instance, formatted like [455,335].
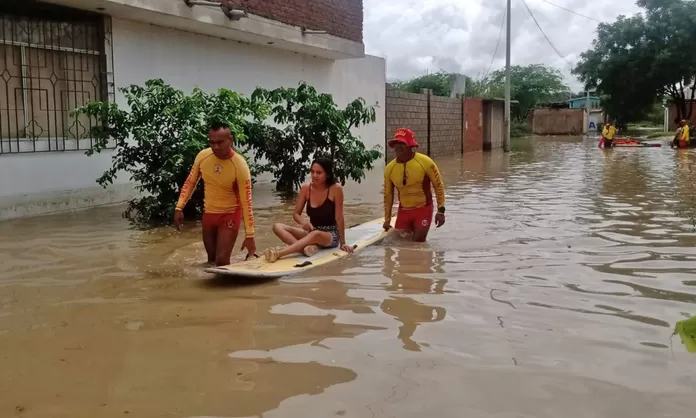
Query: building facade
[581,102]
[59,55]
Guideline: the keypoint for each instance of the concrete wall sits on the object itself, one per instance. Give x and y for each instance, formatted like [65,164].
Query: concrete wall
[673,125]
[558,121]
[48,182]
[342,18]
[493,124]
[439,123]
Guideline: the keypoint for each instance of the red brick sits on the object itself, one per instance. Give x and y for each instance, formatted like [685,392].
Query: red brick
[341,18]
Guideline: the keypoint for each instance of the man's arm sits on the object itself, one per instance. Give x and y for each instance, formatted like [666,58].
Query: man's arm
[244,187]
[388,192]
[436,179]
[190,184]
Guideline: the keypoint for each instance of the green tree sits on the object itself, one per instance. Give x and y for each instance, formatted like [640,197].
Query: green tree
[158,137]
[530,85]
[313,124]
[157,140]
[637,60]
[441,84]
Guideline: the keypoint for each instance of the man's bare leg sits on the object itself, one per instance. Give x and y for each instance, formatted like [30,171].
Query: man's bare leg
[420,233]
[226,238]
[210,236]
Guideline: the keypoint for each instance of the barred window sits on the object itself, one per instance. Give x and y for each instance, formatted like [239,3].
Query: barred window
[52,60]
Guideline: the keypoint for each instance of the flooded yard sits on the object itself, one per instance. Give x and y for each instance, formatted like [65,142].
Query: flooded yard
[552,291]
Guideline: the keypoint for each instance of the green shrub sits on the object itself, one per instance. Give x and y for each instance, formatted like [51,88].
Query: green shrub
[157,139]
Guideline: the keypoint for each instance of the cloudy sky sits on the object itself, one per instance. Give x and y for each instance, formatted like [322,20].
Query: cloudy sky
[416,36]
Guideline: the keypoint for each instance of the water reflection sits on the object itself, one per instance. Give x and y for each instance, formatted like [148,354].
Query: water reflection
[403,267]
[548,293]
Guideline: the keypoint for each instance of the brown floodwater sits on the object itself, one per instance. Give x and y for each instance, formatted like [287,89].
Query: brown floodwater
[552,291]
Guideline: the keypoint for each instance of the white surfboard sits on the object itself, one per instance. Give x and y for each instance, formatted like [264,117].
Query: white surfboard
[359,237]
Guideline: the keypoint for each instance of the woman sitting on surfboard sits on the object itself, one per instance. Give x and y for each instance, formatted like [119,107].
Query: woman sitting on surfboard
[325,228]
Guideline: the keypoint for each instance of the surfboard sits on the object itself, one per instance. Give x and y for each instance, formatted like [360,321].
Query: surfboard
[359,236]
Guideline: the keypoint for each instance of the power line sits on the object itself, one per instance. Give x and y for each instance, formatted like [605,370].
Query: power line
[572,11]
[500,33]
[544,33]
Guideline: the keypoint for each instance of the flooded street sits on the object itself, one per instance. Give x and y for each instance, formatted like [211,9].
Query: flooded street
[552,291]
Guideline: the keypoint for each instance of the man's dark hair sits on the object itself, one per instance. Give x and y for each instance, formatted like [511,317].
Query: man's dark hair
[216,126]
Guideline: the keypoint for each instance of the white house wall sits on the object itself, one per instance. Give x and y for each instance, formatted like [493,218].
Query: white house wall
[40,183]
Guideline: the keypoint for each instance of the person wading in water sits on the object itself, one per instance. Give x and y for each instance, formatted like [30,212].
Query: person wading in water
[412,174]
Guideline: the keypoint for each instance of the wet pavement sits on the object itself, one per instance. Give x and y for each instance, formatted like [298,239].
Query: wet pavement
[552,291]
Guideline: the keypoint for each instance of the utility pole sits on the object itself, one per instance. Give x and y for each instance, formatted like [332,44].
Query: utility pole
[587,107]
[506,140]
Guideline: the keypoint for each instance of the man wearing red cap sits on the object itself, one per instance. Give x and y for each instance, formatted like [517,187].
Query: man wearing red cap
[412,174]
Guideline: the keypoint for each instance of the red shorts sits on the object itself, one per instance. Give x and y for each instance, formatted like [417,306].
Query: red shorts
[410,219]
[222,220]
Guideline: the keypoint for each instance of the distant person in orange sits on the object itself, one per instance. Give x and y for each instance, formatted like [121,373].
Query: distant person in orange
[227,196]
[681,140]
[608,133]
[412,174]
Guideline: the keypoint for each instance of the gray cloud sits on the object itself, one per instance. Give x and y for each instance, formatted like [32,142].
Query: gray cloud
[460,35]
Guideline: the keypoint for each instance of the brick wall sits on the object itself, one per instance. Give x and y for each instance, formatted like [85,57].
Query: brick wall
[446,126]
[439,119]
[407,110]
[342,18]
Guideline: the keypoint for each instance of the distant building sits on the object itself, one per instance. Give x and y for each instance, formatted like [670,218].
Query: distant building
[581,102]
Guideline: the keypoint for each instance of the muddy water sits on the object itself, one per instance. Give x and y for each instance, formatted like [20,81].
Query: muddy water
[552,291]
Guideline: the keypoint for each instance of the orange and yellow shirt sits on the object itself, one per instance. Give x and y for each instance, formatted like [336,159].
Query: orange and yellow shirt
[412,180]
[227,186]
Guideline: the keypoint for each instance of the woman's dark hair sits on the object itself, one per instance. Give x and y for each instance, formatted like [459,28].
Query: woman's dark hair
[327,165]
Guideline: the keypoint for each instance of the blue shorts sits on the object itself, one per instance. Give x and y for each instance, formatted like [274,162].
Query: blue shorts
[335,237]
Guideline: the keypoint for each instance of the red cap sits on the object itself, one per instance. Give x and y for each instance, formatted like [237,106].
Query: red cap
[405,136]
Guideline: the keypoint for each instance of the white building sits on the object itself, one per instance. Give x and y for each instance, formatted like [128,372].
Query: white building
[54,57]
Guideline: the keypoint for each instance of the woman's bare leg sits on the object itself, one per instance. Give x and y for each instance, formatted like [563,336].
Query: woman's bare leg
[289,234]
[312,238]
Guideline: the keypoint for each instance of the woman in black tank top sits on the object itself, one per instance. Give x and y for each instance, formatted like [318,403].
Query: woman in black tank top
[323,198]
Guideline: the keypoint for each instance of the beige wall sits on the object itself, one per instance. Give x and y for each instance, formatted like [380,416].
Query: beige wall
[558,121]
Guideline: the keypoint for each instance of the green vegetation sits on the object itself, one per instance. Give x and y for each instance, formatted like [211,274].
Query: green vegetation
[519,129]
[157,139]
[530,86]
[636,61]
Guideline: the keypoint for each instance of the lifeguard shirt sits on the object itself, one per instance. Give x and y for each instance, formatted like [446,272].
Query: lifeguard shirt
[412,180]
[227,186]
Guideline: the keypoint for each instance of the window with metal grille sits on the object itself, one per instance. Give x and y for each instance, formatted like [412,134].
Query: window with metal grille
[52,60]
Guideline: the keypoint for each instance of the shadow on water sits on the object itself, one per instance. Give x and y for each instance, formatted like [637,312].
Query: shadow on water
[551,291]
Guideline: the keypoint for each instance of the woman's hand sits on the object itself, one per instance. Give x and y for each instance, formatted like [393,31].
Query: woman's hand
[307,226]
[347,248]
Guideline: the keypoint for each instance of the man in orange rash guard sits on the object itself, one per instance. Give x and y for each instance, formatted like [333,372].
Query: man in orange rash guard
[227,196]
[412,174]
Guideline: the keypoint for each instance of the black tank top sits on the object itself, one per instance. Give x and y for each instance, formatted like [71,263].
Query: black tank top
[323,215]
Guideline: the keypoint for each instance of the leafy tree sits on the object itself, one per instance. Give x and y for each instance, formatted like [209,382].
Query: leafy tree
[636,60]
[313,124]
[441,84]
[530,85]
[157,139]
